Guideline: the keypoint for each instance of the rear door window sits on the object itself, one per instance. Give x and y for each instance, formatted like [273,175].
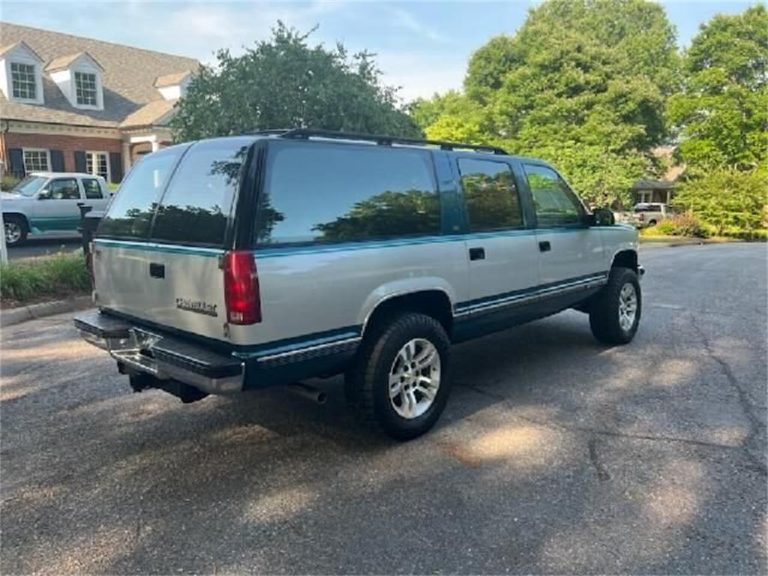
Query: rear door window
[130,213]
[196,207]
[340,193]
[92,188]
[490,195]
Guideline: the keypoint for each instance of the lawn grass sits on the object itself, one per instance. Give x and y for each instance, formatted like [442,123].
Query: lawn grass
[42,279]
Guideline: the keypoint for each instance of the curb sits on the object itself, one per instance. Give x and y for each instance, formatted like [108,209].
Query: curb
[34,311]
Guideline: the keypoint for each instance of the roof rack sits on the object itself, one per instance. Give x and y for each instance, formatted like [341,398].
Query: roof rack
[307,133]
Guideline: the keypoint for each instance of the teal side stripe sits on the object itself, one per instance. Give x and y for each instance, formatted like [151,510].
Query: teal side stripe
[300,343]
[155,247]
[376,244]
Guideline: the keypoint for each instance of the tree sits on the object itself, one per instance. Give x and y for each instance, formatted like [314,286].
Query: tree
[722,112]
[583,84]
[285,83]
[731,200]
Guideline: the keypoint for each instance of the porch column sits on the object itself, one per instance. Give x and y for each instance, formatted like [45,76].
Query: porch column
[127,160]
[155,144]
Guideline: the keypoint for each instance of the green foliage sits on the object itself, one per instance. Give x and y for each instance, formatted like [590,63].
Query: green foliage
[385,215]
[8,182]
[685,224]
[44,278]
[285,83]
[722,111]
[732,201]
[582,84]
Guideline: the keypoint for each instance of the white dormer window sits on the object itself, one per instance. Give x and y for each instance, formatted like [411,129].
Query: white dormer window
[78,76]
[85,89]
[173,86]
[23,82]
[21,74]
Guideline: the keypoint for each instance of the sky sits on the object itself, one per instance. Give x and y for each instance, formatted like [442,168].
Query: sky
[422,47]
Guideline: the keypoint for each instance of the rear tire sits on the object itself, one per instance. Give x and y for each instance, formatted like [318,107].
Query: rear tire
[400,380]
[615,312]
[15,230]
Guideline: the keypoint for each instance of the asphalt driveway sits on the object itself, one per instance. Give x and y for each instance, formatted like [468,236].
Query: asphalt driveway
[555,454]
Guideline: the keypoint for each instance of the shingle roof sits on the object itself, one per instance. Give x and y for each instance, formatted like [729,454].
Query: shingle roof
[150,114]
[171,79]
[128,78]
[7,48]
[65,61]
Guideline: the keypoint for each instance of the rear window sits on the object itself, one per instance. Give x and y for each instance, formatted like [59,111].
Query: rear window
[196,207]
[340,193]
[130,213]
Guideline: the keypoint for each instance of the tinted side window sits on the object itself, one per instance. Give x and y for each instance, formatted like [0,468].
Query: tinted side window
[490,195]
[197,205]
[337,193]
[64,189]
[92,188]
[553,201]
[130,213]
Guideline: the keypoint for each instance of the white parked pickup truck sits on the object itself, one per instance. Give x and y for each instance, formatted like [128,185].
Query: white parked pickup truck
[49,202]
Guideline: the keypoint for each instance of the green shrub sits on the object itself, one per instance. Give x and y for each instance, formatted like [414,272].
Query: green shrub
[44,278]
[8,182]
[685,224]
[732,201]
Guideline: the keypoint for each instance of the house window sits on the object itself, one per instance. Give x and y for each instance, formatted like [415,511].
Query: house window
[36,160]
[85,87]
[23,81]
[97,164]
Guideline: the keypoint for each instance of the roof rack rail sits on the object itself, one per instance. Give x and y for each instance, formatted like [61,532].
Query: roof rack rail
[306,133]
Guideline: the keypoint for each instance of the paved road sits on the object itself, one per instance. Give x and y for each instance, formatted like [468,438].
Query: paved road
[45,246]
[555,454]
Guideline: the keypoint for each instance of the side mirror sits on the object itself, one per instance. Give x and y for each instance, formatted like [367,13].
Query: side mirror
[603,217]
[44,194]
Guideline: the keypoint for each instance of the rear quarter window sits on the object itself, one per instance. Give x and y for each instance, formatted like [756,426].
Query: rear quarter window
[130,213]
[197,205]
[339,193]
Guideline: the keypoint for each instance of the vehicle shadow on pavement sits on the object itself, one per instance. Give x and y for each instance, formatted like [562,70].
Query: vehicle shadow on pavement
[546,460]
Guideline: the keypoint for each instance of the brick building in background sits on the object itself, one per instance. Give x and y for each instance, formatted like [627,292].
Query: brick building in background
[71,104]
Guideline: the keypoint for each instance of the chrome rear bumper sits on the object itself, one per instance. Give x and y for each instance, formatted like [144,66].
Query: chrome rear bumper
[140,351]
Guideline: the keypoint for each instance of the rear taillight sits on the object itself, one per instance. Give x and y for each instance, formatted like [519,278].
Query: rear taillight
[241,288]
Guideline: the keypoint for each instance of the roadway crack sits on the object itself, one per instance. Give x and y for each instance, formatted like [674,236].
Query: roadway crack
[603,431]
[746,402]
[602,471]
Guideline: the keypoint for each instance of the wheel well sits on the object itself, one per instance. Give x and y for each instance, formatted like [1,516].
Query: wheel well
[625,259]
[434,303]
[17,216]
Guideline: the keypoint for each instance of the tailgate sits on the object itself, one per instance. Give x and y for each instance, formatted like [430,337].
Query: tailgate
[158,249]
[174,286]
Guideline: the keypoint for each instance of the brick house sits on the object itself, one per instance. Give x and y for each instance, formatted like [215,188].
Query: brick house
[71,104]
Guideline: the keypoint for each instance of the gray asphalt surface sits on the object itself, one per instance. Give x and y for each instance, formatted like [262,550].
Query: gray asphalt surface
[45,246]
[555,454]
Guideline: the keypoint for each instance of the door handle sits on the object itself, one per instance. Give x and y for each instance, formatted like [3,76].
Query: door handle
[156,270]
[477,253]
[545,246]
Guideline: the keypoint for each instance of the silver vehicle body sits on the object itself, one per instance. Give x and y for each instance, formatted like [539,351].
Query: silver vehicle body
[649,213]
[317,299]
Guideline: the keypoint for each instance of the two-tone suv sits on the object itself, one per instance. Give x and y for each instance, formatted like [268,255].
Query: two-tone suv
[237,263]
[50,202]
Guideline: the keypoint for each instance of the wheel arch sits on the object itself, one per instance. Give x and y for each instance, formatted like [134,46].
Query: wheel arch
[435,302]
[20,215]
[625,259]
